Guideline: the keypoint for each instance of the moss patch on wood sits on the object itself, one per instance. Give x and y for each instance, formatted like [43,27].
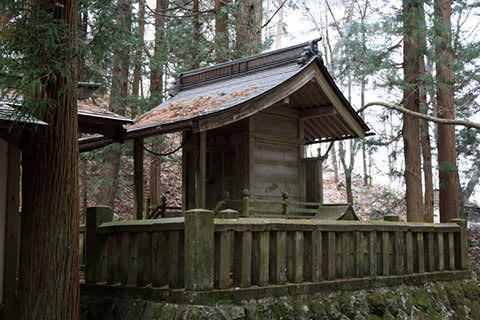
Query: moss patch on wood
[439,300]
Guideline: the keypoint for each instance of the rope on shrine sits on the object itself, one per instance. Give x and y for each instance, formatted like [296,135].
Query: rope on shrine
[165,154]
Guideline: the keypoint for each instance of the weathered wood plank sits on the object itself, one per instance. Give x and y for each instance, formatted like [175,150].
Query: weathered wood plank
[111,258]
[133,263]
[461,244]
[451,251]
[421,252]
[144,257]
[313,263]
[243,260]
[174,248]
[298,257]
[430,252]
[159,259]
[409,252]
[358,254]
[441,252]
[278,252]
[332,254]
[386,251]
[372,256]
[223,258]
[398,257]
[263,261]
[124,257]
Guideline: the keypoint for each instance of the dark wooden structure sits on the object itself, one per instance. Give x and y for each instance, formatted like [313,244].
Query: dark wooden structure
[14,128]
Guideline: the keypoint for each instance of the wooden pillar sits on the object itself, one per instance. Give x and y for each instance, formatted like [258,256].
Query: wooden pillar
[138,177]
[461,245]
[11,233]
[95,217]
[320,180]
[201,170]
[199,250]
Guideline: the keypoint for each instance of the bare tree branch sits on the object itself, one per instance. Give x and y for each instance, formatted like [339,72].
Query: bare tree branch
[273,15]
[427,117]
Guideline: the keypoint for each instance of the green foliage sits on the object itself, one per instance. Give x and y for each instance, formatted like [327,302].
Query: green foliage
[33,51]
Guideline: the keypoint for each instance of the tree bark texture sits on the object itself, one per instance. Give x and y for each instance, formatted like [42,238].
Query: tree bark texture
[424,129]
[411,126]
[248,27]
[221,31]
[48,283]
[118,103]
[137,72]
[197,29]
[156,64]
[447,156]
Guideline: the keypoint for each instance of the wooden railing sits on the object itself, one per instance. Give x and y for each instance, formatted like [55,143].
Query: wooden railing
[284,206]
[200,252]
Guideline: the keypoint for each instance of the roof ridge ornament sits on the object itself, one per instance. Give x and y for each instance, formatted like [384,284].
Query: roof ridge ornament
[309,51]
[177,85]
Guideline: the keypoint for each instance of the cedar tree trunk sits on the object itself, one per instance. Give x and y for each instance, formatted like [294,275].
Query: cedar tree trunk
[221,31]
[447,156]
[411,125]
[48,285]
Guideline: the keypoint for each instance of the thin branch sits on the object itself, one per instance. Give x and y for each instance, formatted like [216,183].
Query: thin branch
[273,15]
[334,20]
[427,117]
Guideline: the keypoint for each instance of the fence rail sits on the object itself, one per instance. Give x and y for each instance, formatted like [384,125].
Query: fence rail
[200,252]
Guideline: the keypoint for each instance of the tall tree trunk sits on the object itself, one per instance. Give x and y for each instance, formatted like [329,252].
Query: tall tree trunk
[447,156]
[48,283]
[196,34]
[411,126]
[137,72]
[424,130]
[221,31]
[156,63]
[118,102]
[82,38]
[248,27]
[156,93]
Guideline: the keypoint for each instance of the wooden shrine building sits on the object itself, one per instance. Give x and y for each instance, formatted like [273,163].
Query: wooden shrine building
[246,123]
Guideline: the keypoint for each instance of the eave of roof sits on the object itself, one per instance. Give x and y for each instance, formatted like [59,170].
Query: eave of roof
[12,115]
[216,96]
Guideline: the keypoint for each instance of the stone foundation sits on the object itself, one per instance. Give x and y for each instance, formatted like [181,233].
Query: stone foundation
[458,299]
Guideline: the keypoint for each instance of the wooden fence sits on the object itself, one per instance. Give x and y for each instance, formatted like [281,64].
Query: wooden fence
[200,252]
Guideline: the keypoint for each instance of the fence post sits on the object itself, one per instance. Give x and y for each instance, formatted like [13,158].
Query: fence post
[462,245]
[285,204]
[95,217]
[199,249]
[245,203]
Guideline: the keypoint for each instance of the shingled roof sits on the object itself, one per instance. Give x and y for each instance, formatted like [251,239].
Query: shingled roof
[215,96]
[9,115]
[203,93]
[93,116]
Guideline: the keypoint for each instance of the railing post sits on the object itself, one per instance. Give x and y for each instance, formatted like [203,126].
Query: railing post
[285,204]
[95,217]
[199,249]
[245,203]
[462,259]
